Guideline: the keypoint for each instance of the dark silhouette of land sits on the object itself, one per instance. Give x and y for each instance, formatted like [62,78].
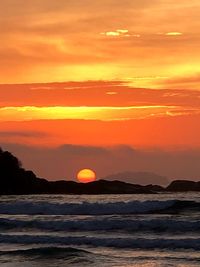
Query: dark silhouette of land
[142,178]
[14,179]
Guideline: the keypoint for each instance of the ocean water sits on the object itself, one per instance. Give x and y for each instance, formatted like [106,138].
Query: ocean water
[104,230]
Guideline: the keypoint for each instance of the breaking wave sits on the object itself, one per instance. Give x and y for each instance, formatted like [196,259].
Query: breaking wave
[86,208]
[104,224]
[46,251]
[142,243]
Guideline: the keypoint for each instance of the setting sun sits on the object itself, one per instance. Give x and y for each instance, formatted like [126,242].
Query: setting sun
[86,176]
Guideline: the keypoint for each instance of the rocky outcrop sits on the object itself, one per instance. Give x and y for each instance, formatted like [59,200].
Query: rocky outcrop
[183,186]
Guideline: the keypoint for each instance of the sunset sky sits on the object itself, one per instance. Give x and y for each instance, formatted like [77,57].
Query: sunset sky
[110,85]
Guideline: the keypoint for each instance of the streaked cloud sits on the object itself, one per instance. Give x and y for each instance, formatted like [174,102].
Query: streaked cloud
[120,33]
[104,93]
[174,33]
[167,132]
[93,112]
[90,113]
[111,33]
[111,93]
[183,82]
[47,41]
[23,134]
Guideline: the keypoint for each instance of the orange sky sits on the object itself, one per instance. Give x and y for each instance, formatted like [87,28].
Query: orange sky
[99,113]
[100,73]
[149,43]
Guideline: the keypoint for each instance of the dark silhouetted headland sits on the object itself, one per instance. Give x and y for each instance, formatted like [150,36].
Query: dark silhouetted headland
[183,186]
[14,179]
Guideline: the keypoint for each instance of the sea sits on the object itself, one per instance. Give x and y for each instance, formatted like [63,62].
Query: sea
[151,230]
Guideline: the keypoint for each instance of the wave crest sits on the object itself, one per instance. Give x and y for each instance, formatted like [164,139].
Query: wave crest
[86,208]
[143,243]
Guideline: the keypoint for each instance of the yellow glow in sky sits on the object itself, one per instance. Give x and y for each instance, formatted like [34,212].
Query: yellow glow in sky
[44,41]
[90,113]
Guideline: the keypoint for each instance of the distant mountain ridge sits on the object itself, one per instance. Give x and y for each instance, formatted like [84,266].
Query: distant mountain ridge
[16,180]
[142,178]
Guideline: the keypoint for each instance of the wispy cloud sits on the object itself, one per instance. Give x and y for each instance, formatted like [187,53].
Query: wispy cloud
[184,82]
[28,113]
[119,33]
[174,33]
[104,94]
[48,40]
[24,134]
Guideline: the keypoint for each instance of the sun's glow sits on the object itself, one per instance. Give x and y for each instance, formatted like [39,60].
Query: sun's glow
[86,176]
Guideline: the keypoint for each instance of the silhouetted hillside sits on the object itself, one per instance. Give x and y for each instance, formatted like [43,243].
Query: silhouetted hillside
[142,178]
[183,186]
[16,180]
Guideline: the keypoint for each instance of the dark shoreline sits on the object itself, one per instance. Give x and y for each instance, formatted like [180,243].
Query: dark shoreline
[38,186]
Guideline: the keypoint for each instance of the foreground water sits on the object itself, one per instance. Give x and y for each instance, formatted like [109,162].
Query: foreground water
[104,230]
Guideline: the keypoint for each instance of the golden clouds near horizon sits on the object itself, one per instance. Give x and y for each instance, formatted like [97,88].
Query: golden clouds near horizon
[130,65]
[28,113]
